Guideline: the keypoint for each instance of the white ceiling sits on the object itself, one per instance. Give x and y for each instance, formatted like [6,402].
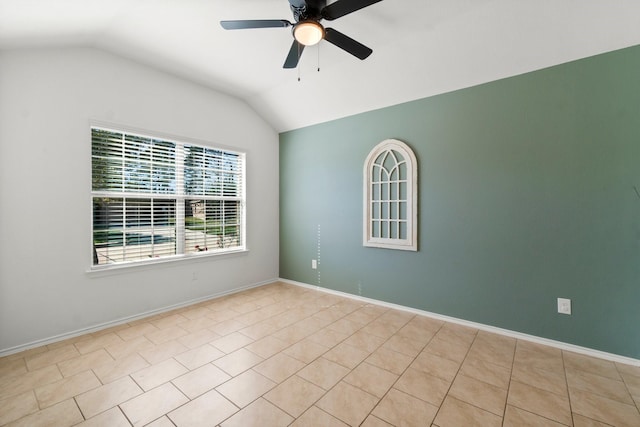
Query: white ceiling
[420,47]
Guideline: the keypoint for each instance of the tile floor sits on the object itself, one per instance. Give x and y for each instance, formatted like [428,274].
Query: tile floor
[283,355]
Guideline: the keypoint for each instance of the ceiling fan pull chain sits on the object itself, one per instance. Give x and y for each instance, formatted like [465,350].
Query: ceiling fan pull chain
[300,48]
[318,57]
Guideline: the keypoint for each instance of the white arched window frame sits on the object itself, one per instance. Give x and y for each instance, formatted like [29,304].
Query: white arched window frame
[390,214]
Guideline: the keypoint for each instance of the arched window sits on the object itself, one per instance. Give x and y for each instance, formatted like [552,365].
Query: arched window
[391,197]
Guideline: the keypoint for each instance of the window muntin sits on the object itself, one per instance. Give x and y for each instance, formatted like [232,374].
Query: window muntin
[154,198]
[390,197]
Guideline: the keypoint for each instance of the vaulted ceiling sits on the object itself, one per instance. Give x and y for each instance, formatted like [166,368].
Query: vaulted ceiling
[420,47]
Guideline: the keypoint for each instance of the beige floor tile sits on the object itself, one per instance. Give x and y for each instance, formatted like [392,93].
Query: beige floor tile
[401,409]
[85,362]
[372,421]
[315,417]
[227,327]
[306,350]
[153,404]
[66,388]
[31,352]
[259,330]
[483,395]
[163,351]
[11,367]
[370,378]
[602,409]
[166,334]
[536,356]
[19,384]
[198,338]
[293,333]
[259,414]
[330,314]
[107,396]
[328,337]
[279,367]
[199,356]
[552,381]
[580,421]
[540,402]
[158,374]
[238,361]
[348,403]
[102,341]
[62,414]
[436,365]
[414,332]
[345,326]
[329,353]
[362,316]
[201,380]
[18,406]
[493,351]
[516,417]
[51,357]
[323,373]
[136,331]
[390,360]
[198,324]
[633,385]
[161,422]
[452,350]
[294,395]
[486,371]
[231,342]
[132,346]
[119,368]
[346,355]
[267,346]
[364,341]
[458,334]
[592,365]
[628,370]
[168,321]
[111,418]
[423,386]
[408,346]
[195,312]
[603,386]
[455,413]
[245,388]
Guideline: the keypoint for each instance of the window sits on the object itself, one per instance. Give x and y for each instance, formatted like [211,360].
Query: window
[390,197]
[155,198]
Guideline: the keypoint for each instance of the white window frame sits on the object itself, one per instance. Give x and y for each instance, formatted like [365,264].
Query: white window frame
[180,196]
[372,237]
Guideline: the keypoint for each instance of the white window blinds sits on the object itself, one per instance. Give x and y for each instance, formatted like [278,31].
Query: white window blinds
[154,198]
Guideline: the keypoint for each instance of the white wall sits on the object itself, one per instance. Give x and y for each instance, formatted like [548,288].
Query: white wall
[47,99]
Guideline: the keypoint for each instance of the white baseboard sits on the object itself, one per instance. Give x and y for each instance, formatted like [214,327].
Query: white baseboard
[101,326]
[513,334]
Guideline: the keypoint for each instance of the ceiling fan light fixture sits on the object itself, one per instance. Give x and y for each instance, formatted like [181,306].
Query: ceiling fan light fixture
[308,33]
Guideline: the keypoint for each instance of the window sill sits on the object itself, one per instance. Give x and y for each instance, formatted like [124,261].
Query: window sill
[125,267]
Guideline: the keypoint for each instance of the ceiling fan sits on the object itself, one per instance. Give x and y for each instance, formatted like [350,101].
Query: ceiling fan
[307,29]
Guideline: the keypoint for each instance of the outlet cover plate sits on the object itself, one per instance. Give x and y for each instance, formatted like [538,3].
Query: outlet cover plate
[564,306]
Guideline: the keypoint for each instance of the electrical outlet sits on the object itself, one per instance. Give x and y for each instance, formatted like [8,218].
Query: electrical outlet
[314,264]
[564,306]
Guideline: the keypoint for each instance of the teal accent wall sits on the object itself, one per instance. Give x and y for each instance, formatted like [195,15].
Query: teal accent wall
[529,190]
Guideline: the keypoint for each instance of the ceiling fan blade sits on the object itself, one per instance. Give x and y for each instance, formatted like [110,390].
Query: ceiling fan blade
[346,43]
[255,23]
[345,7]
[294,55]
